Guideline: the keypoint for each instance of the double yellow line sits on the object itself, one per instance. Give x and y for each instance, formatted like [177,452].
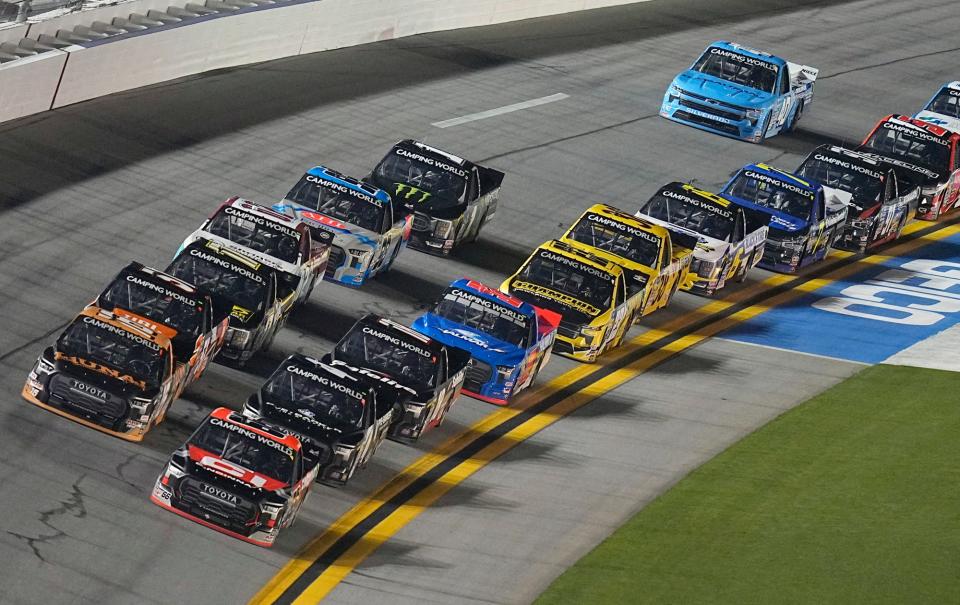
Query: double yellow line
[325,561]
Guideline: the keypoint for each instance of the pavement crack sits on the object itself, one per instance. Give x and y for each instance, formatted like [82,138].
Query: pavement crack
[892,62]
[568,138]
[119,469]
[73,504]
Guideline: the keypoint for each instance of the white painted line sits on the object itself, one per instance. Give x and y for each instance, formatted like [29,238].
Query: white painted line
[473,117]
[754,344]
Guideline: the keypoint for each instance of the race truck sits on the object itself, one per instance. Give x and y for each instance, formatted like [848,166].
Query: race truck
[431,372]
[944,108]
[929,151]
[282,242]
[241,477]
[246,290]
[172,307]
[881,203]
[108,372]
[591,294]
[729,237]
[509,340]
[368,232]
[338,415]
[653,260]
[740,92]
[806,218]
[450,198]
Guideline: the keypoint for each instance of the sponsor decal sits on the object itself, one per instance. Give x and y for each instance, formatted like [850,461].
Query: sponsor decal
[241,313]
[698,203]
[323,219]
[779,183]
[97,367]
[121,332]
[563,299]
[302,415]
[219,494]
[396,341]
[432,162]
[906,165]
[583,268]
[88,389]
[409,192]
[622,227]
[161,290]
[263,222]
[847,165]
[507,312]
[344,190]
[326,382]
[467,337]
[915,132]
[254,436]
[726,54]
[227,265]
[374,375]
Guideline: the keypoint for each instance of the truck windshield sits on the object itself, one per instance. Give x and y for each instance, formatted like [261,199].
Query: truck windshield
[865,185]
[911,145]
[696,215]
[257,233]
[239,289]
[128,353]
[593,286]
[772,193]
[738,68]
[154,302]
[640,247]
[261,456]
[375,349]
[415,178]
[947,102]
[318,404]
[343,204]
[464,309]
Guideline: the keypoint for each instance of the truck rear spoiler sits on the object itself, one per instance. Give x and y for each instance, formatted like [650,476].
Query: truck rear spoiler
[490,179]
[802,74]
[457,358]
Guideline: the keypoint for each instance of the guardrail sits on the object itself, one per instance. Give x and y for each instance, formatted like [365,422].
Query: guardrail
[144,42]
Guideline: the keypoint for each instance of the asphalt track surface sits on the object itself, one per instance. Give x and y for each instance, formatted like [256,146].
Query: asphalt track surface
[86,189]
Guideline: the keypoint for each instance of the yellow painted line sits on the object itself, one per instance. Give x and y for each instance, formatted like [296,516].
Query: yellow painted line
[406,512]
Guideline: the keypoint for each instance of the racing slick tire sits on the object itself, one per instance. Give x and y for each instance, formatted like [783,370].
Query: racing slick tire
[796,118]
[741,272]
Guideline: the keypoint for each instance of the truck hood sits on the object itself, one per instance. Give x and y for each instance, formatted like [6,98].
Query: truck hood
[575,312]
[722,90]
[115,381]
[707,249]
[481,345]
[778,220]
[301,420]
[210,465]
[412,199]
[345,235]
[939,119]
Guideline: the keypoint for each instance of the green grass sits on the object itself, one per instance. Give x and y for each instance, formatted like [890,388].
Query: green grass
[852,497]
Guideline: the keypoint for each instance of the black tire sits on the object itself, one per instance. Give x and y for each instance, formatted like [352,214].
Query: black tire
[741,275]
[796,118]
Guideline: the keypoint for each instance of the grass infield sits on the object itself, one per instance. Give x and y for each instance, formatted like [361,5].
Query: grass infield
[851,497]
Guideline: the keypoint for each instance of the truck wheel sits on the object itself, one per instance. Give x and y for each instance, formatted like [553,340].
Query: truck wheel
[744,267]
[393,257]
[796,118]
